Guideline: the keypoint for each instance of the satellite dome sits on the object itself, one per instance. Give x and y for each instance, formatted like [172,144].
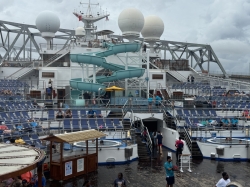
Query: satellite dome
[131,21]
[47,23]
[80,31]
[153,28]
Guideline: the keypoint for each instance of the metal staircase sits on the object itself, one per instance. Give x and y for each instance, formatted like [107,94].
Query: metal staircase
[175,74]
[144,147]
[56,57]
[22,72]
[192,144]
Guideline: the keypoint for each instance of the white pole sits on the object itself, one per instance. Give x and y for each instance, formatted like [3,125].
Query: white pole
[148,74]
[126,80]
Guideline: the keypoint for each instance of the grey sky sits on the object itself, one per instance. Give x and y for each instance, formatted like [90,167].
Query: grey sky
[224,24]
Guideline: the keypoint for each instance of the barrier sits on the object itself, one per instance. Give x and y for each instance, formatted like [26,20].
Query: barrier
[185,162]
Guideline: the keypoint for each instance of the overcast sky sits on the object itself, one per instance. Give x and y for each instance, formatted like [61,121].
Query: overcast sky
[224,24]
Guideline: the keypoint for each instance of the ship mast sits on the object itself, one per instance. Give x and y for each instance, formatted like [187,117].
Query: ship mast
[88,19]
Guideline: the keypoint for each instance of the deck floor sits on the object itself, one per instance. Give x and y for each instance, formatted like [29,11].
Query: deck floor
[205,173]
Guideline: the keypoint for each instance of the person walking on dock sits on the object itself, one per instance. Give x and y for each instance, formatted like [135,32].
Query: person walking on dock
[223,181]
[169,172]
[120,182]
[179,148]
[159,141]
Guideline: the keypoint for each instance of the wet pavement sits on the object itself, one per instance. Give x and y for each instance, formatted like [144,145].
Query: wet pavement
[205,173]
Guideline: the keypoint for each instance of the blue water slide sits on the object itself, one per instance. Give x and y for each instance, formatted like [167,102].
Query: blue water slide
[98,59]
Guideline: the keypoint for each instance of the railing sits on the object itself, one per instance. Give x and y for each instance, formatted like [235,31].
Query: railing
[56,55]
[28,65]
[142,128]
[188,139]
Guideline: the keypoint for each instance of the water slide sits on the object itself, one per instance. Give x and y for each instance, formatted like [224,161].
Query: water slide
[98,59]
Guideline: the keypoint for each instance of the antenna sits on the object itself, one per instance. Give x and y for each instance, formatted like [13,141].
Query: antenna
[89,11]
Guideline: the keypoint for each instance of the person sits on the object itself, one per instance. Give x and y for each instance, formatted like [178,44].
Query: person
[27,176]
[68,114]
[120,182]
[91,113]
[169,172]
[8,140]
[3,126]
[245,113]
[240,141]
[35,179]
[94,101]
[50,84]
[25,183]
[157,101]
[150,102]
[19,140]
[87,183]
[188,79]
[144,48]
[192,78]
[214,104]
[209,105]
[159,142]
[16,182]
[87,98]
[130,94]
[223,181]
[60,114]
[179,148]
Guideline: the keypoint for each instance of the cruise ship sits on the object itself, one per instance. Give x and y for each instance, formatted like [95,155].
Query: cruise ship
[119,85]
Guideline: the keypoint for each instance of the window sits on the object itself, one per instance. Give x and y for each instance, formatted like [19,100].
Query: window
[157,76]
[48,75]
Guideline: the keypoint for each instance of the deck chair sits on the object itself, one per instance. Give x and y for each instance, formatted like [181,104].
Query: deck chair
[109,124]
[92,123]
[66,124]
[75,124]
[84,124]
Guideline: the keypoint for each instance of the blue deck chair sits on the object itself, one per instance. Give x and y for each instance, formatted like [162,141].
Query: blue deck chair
[213,113]
[207,113]
[51,115]
[84,124]
[186,113]
[179,113]
[117,124]
[92,123]
[83,113]
[109,124]
[193,112]
[75,124]
[27,140]
[199,112]
[26,115]
[66,124]
[19,115]
[75,114]
[100,123]
[187,122]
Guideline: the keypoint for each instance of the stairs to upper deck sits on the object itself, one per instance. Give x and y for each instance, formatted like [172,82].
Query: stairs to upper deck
[176,75]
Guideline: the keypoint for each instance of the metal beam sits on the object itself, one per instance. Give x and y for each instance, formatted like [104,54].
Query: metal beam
[11,46]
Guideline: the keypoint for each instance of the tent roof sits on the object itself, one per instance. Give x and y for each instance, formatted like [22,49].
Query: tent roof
[75,136]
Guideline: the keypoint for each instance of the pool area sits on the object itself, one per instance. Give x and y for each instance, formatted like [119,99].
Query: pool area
[101,144]
[236,141]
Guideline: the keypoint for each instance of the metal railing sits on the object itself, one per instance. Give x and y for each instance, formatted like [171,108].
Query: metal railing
[147,137]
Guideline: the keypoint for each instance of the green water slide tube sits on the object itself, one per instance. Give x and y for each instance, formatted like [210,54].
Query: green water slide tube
[98,59]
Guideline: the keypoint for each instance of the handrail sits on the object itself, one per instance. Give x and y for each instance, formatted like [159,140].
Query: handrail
[148,138]
[29,65]
[189,139]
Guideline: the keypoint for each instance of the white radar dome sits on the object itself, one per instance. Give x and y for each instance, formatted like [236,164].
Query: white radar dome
[80,31]
[153,28]
[48,24]
[131,21]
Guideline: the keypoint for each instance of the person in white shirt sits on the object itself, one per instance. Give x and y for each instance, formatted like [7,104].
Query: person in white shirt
[223,181]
